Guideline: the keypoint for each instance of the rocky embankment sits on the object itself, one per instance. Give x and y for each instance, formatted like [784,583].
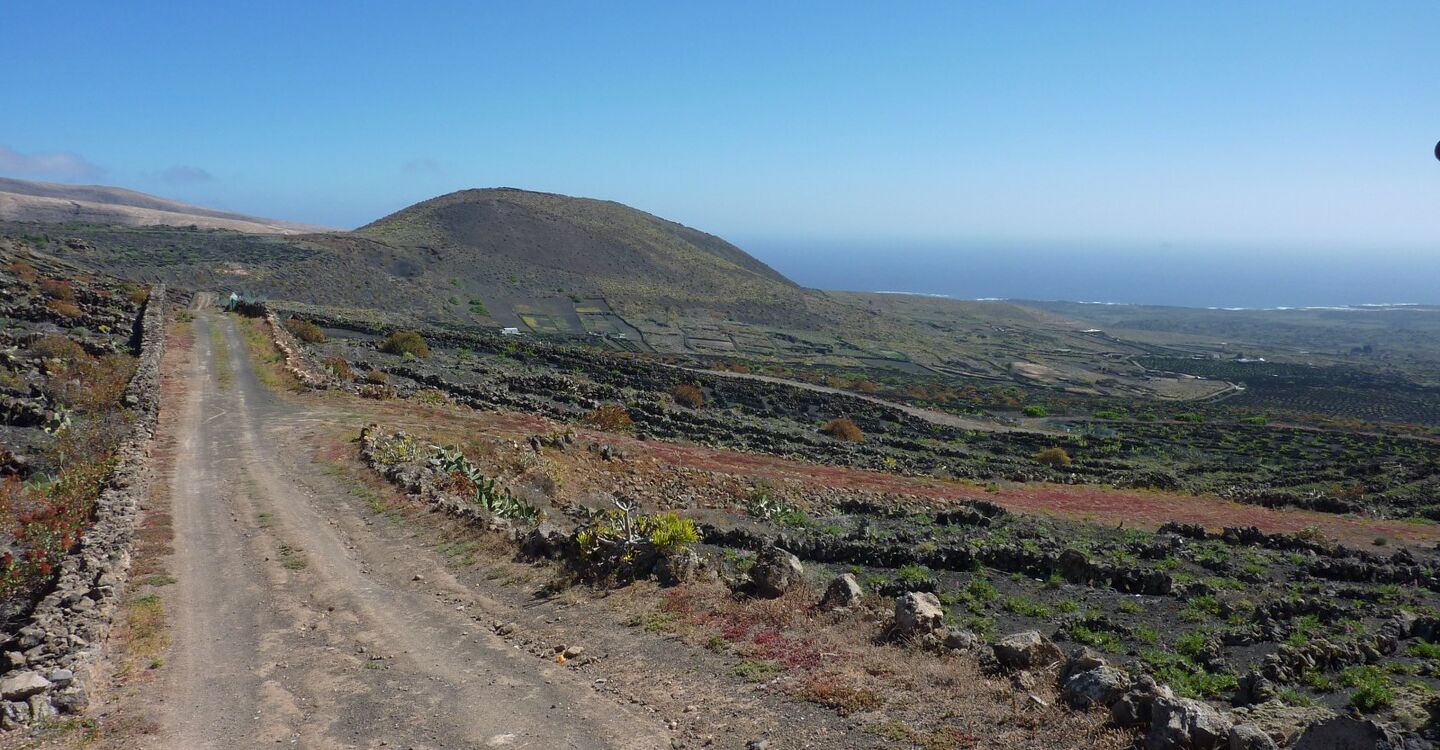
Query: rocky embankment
[50,659]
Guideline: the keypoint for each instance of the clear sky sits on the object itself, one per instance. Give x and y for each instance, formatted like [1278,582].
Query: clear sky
[1145,122]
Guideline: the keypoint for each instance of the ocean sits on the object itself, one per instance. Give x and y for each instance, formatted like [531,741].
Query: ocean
[1196,276]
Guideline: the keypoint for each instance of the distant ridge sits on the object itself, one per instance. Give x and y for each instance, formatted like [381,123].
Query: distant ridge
[53,203]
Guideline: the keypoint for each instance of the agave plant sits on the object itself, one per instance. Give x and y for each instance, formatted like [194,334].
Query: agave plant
[488,494]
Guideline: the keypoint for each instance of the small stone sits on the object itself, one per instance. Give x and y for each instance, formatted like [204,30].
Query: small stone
[71,700]
[573,652]
[61,677]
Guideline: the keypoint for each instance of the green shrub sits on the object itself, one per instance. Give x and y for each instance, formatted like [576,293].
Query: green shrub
[1026,607]
[670,533]
[1373,690]
[405,342]
[913,573]
[1035,410]
[767,507]
[1424,650]
[1130,607]
[1088,636]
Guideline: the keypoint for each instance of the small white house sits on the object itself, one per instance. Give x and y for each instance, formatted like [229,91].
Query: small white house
[509,331]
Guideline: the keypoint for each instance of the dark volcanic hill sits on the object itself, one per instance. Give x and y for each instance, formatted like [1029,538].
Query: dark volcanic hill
[49,202]
[579,235]
[516,243]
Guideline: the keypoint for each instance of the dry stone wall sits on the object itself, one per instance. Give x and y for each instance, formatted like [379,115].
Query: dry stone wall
[48,662]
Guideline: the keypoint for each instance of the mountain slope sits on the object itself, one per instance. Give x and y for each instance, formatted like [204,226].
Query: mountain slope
[48,202]
[506,243]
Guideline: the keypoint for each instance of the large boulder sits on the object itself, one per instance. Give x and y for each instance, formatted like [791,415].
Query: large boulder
[1026,650]
[959,639]
[1134,707]
[1250,737]
[775,572]
[1081,659]
[1346,733]
[918,614]
[1283,722]
[677,568]
[1074,566]
[1186,724]
[22,685]
[1100,686]
[842,593]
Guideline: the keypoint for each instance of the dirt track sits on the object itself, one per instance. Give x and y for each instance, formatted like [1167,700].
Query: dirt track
[295,623]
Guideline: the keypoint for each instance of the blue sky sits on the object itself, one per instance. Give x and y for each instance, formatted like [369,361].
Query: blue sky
[1242,123]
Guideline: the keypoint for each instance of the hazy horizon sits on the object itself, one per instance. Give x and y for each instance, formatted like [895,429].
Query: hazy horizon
[1144,274]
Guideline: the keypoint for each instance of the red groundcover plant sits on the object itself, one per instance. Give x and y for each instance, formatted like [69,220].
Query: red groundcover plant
[45,522]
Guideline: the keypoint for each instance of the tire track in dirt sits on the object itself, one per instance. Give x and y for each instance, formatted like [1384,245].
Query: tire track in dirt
[293,625]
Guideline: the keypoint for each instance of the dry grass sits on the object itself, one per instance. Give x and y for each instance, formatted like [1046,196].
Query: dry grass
[221,356]
[687,394]
[610,418]
[908,697]
[58,289]
[843,429]
[269,361]
[905,697]
[305,331]
[144,632]
[64,309]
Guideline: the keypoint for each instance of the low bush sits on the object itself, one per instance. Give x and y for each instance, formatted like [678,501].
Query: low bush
[23,271]
[339,368]
[64,309]
[58,289]
[1035,410]
[1055,456]
[1373,689]
[689,395]
[611,418]
[843,429]
[761,504]
[405,342]
[670,533]
[305,331]
[621,544]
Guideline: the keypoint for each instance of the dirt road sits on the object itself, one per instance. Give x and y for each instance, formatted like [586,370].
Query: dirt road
[295,624]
